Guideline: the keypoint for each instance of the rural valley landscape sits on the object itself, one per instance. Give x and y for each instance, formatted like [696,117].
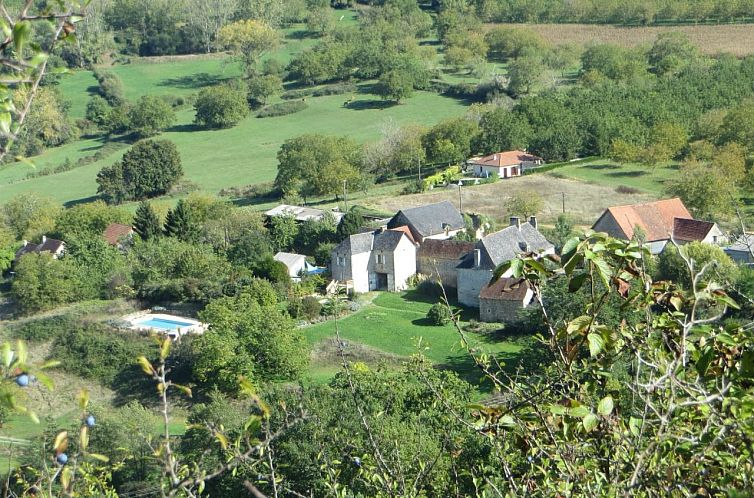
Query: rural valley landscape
[376,248]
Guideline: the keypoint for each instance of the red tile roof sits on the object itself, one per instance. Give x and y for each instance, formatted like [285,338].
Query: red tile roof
[404,229]
[506,289]
[509,158]
[656,219]
[115,232]
[688,230]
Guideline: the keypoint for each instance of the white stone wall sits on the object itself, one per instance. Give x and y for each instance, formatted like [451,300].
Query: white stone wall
[403,263]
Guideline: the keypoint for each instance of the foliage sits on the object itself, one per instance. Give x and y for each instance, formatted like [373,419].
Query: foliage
[450,141]
[511,43]
[29,216]
[525,204]
[708,192]
[90,219]
[43,282]
[439,314]
[180,223]
[710,264]
[110,87]
[316,164]
[148,169]
[220,107]
[524,74]
[149,116]
[262,87]
[501,130]
[248,335]
[282,109]
[146,223]
[313,232]
[350,224]
[46,123]
[248,39]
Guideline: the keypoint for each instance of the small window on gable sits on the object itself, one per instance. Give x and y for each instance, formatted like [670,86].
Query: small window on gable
[380,259]
[341,260]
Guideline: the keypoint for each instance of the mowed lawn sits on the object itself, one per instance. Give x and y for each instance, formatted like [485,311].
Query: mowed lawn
[395,324]
[605,172]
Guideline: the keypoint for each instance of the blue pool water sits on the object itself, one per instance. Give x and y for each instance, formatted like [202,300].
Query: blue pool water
[164,323]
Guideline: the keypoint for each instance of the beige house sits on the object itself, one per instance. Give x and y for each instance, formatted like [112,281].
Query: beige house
[657,223]
[504,164]
[376,260]
[501,300]
[475,271]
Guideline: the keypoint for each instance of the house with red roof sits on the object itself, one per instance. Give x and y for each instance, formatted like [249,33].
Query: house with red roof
[657,223]
[504,164]
[117,233]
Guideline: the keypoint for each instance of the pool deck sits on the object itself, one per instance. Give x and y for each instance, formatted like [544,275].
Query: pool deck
[194,327]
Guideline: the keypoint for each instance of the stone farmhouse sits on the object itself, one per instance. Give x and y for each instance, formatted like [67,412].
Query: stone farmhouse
[657,223]
[382,259]
[503,164]
[501,300]
[53,246]
[432,221]
[439,259]
[475,271]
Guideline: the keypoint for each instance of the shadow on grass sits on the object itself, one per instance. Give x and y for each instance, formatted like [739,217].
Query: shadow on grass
[364,105]
[423,322]
[627,174]
[199,80]
[602,166]
[83,200]
[184,128]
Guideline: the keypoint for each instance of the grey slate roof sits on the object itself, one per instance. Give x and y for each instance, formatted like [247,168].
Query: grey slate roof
[743,244]
[507,244]
[430,219]
[47,245]
[386,240]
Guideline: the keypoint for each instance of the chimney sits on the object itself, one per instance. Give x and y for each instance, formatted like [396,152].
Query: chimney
[44,238]
[533,221]
[516,222]
[477,258]
[26,242]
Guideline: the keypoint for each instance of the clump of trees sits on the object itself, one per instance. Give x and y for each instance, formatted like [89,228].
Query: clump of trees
[148,169]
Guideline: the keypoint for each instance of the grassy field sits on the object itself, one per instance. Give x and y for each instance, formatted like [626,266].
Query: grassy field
[608,173]
[393,327]
[737,39]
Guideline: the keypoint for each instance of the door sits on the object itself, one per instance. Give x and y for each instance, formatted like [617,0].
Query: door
[382,281]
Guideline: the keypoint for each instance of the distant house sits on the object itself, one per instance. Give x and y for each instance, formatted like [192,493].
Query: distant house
[742,250]
[376,260]
[501,301]
[475,271]
[296,263]
[117,233]
[302,213]
[53,246]
[432,221]
[503,164]
[657,222]
[439,259]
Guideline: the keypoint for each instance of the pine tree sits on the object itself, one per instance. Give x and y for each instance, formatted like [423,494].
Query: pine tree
[179,222]
[350,224]
[146,222]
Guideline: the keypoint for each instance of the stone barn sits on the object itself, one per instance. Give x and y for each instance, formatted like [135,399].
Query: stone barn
[438,259]
[501,301]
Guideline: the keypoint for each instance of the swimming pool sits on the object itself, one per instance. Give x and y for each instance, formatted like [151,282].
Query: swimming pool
[163,323]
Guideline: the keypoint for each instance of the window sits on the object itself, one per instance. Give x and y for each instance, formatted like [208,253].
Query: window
[380,259]
[341,260]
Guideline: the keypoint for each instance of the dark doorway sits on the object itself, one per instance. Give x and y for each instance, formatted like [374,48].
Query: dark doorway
[382,281]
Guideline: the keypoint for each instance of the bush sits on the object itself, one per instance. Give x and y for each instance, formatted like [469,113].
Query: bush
[336,89]
[627,190]
[282,109]
[42,329]
[150,115]
[220,107]
[439,314]
[311,307]
[296,94]
[95,351]
[110,87]
[149,169]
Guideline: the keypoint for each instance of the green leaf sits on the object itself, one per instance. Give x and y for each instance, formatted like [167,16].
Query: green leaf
[83,399]
[5,121]
[634,425]
[7,355]
[579,411]
[97,456]
[577,281]
[222,439]
[603,269]
[145,365]
[84,437]
[703,363]
[590,422]
[747,364]
[61,441]
[605,406]
[726,339]
[578,324]
[596,343]
[21,33]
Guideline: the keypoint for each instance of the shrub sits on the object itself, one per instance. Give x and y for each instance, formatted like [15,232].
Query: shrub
[296,94]
[282,109]
[110,87]
[261,88]
[150,115]
[335,89]
[439,314]
[430,288]
[311,307]
[220,107]
[42,329]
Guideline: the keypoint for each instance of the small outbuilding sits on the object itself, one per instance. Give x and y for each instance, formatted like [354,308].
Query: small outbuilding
[296,263]
[501,300]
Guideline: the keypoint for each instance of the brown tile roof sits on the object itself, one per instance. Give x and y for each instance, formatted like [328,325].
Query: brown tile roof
[688,230]
[506,289]
[444,249]
[509,158]
[654,218]
[115,232]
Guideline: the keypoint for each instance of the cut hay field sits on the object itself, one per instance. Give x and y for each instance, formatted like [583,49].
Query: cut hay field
[584,201]
[737,39]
